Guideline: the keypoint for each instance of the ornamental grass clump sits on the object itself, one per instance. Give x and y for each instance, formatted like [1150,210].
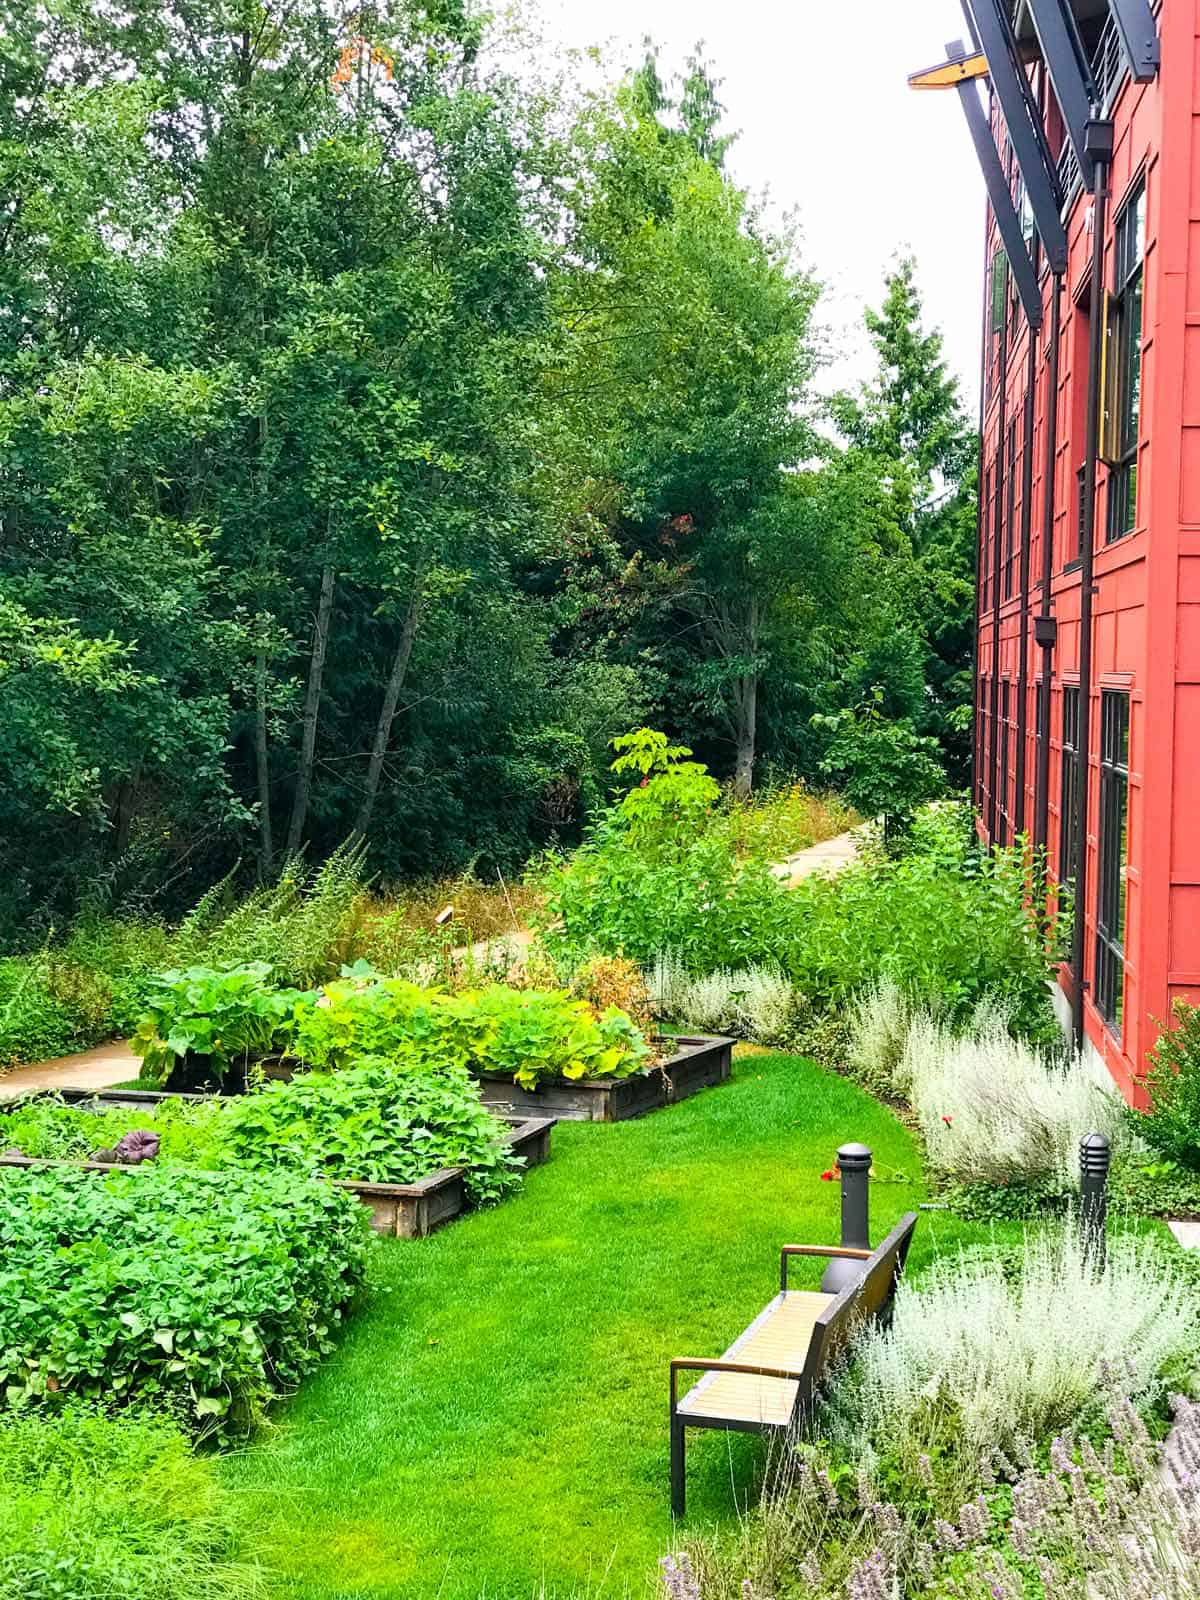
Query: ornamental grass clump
[879,1020]
[979,1358]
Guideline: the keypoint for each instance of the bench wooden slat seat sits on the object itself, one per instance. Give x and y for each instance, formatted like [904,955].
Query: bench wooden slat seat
[768,1378]
[778,1337]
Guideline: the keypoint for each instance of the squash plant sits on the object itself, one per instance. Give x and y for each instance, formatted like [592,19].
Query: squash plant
[223,1016]
[526,1033]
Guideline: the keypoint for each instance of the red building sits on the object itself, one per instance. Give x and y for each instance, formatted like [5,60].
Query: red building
[1088,664]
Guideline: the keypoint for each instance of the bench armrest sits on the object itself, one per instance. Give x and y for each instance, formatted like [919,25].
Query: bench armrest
[841,1251]
[701,1364]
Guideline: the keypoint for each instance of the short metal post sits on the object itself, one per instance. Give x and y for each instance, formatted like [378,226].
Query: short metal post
[854,1164]
[1094,1158]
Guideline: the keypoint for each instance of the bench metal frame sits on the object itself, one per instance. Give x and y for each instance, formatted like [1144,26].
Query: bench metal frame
[830,1337]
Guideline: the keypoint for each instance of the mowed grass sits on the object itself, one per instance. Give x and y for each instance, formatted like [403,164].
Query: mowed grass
[494,1422]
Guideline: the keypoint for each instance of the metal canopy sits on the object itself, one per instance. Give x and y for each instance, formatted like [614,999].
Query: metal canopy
[989,24]
[1072,88]
[1134,23]
[994,177]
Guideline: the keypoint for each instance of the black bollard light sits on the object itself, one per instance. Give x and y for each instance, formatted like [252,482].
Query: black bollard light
[854,1164]
[1094,1158]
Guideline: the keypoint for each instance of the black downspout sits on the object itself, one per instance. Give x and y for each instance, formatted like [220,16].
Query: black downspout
[1098,141]
[1045,627]
[995,778]
[1026,524]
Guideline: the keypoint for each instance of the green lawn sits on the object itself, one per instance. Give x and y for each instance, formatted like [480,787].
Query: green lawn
[495,1421]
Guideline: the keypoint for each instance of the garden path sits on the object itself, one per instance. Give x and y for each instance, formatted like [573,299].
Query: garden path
[100,1068]
[827,855]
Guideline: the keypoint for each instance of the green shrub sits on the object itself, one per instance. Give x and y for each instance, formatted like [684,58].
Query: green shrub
[525,1033]
[1173,1084]
[208,1292]
[373,1123]
[34,1024]
[96,1507]
[226,1018]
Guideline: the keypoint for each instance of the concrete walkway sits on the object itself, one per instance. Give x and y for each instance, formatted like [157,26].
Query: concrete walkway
[828,855]
[100,1068]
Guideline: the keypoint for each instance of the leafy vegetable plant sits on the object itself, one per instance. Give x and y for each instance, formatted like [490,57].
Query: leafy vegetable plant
[208,1293]
[227,1018]
[526,1033]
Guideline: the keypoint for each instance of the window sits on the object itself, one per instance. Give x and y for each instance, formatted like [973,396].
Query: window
[1067,831]
[1114,841]
[1080,510]
[1008,509]
[985,549]
[1002,769]
[981,746]
[1123,399]
[999,288]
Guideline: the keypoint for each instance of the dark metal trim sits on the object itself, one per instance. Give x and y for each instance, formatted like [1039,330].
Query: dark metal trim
[1023,626]
[1057,43]
[1007,221]
[1023,122]
[1099,146]
[1134,22]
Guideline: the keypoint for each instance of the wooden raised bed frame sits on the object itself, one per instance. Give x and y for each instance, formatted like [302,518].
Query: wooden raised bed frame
[699,1062]
[398,1210]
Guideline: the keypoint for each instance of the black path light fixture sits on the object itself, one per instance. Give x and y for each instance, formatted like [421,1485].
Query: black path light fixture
[854,1165]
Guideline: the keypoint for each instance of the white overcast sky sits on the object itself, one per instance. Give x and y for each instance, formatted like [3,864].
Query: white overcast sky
[829,127]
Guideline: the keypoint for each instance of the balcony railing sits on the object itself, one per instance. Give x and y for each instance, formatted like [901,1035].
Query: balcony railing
[1108,69]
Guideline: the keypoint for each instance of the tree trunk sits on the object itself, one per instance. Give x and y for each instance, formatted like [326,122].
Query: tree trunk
[387,712]
[312,707]
[745,696]
[266,851]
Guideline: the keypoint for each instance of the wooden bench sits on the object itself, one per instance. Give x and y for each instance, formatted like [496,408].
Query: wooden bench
[768,1378]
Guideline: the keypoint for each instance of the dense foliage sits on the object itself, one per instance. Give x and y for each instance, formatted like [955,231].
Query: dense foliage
[209,1293]
[659,874]
[113,1507]
[269,581]
[1173,1084]
[525,1034]
[371,1123]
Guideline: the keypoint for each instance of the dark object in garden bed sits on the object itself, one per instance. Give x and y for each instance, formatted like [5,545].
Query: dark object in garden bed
[766,1381]
[398,1210]
[697,1063]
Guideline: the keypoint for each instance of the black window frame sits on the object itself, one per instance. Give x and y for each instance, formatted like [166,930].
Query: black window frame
[1010,493]
[1001,776]
[1111,889]
[1068,833]
[1122,402]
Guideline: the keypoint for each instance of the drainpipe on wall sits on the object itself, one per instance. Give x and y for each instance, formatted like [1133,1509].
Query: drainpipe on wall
[1098,142]
[1023,627]
[997,509]
[1045,628]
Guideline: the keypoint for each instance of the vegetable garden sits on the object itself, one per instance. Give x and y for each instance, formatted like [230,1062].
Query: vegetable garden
[183,1256]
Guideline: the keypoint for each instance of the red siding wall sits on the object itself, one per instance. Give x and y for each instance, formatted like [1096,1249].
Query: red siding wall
[1147,585]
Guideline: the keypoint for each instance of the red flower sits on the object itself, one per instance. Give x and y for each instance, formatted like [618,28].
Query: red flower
[947,1120]
[645,783]
[828,1176]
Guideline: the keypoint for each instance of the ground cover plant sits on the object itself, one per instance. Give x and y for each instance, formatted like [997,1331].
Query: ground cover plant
[208,1293]
[495,1421]
[371,1123]
[97,1506]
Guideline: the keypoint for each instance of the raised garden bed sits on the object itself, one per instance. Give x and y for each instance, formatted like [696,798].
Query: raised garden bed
[398,1210]
[697,1063]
